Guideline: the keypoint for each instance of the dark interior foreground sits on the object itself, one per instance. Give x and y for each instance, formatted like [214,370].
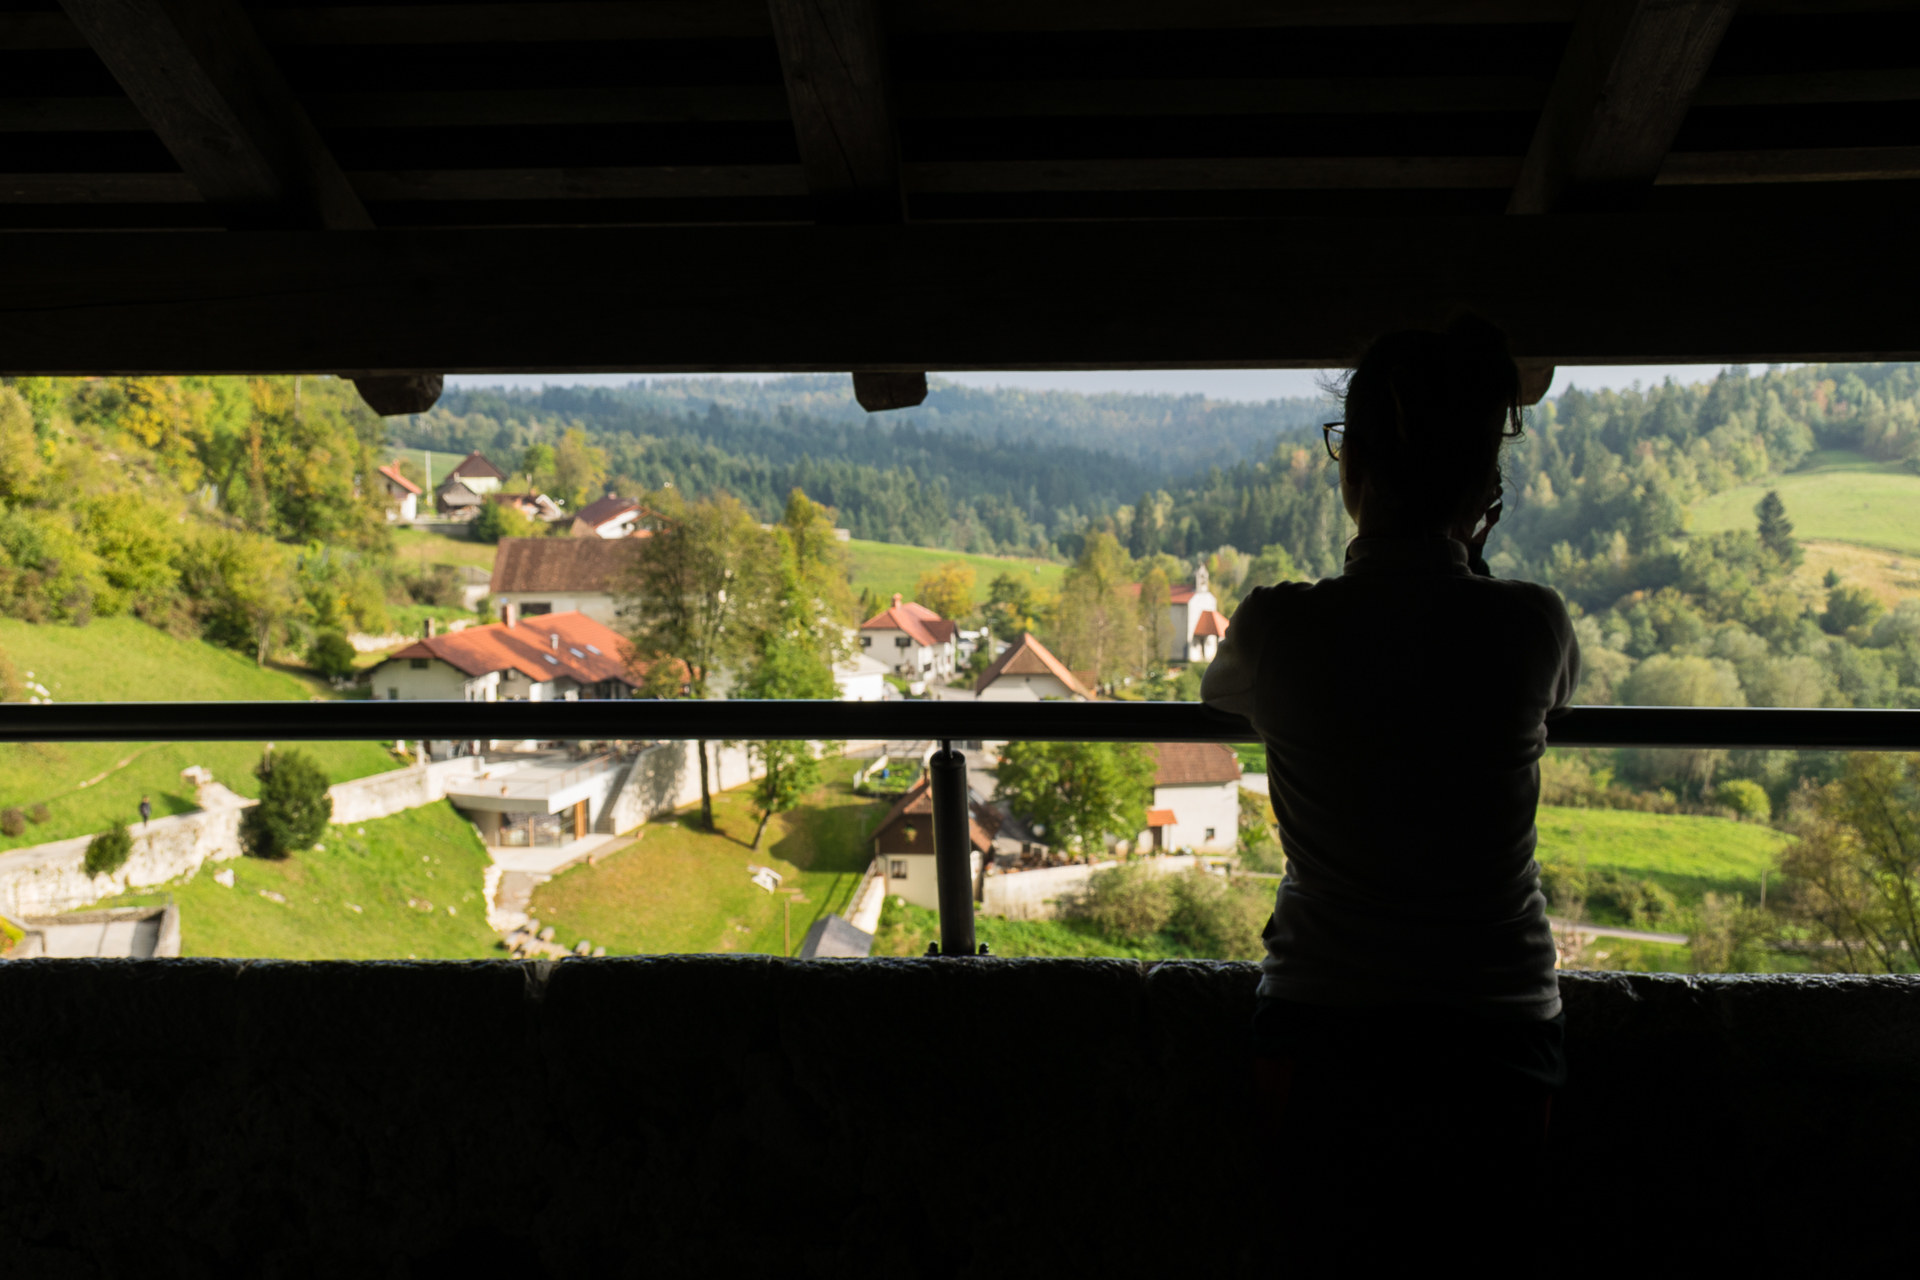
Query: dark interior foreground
[704,1116]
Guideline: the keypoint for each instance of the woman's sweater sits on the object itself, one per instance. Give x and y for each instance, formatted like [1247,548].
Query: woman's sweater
[1404,708]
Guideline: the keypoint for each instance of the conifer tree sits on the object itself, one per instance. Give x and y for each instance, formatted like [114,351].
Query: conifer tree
[1776,531]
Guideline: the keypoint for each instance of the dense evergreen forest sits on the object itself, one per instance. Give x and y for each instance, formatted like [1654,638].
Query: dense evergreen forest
[986,471]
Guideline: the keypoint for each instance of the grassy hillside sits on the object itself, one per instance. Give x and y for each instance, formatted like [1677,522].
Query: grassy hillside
[680,889]
[418,548]
[906,930]
[85,786]
[1889,576]
[1690,856]
[1837,496]
[887,567]
[404,887]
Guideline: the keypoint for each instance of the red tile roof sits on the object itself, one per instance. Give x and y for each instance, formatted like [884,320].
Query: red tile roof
[392,472]
[585,650]
[1192,764]
[1028,657]
[1212,623]
[1160,818]
[562,564]
[918,621]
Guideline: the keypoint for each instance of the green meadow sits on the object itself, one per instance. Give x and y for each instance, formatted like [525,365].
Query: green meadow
[1840,496]
[889,567]
[1687,855]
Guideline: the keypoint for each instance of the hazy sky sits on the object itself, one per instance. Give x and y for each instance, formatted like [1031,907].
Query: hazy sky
[1217,384]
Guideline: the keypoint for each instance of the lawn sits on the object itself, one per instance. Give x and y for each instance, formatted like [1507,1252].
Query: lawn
[905,930]
[405,887]
[421,547]
[1689,856]
[887,567]
[681,889]
[85,786]
[1890,577]
[1837,496]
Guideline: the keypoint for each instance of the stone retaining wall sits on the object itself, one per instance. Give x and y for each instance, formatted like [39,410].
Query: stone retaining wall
[887,1118]
[47,879]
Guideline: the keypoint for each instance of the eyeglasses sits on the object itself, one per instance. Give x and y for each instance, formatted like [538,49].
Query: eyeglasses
[1335,434]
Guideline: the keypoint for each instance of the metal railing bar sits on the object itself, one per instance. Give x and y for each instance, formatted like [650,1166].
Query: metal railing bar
[1744,727]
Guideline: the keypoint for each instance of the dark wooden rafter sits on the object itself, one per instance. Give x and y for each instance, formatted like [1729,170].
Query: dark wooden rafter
[1628,289]
[1629,73]
[833,59]
[199,75]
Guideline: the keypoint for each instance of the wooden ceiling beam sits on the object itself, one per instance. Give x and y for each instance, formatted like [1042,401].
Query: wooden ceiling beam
[1628,75]
[833,58]
[200,77]
[1625,290]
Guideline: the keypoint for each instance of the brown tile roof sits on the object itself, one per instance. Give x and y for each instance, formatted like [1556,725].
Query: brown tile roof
[587,520]
[476,464]
[1190,764]
[1160,818]
[562,564]
[984,820]
[1028,657]
[392,473]
[1212,623]
[585,650]
[918,621]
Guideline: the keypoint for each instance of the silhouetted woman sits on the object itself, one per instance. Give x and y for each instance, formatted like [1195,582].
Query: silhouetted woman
[1409,1027]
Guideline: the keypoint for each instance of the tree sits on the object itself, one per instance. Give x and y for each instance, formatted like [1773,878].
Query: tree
[244,586]
[698,594]
[1272,565]
[332,655]
[1011,609]
[579,469]
[537,465]
[20,464]
[1079,792]
[1096,624]
[947,589]
[1854,871]
[815,577]
[498,520]
[1776,531]
[294,806]
[108,851]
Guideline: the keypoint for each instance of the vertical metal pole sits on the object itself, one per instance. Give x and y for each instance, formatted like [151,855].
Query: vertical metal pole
[952,850]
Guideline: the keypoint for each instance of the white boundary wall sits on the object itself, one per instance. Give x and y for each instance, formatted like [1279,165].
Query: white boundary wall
[1038,895]
[48,879]
[667,777]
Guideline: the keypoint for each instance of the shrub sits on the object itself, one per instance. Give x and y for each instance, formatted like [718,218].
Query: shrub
[13,822]
[108,851]
[331,654]
[497,520]
[294,806]
[38,814]
[1128,903]
[1746,798]
[1216,919]
[1726,935]
[1607,896]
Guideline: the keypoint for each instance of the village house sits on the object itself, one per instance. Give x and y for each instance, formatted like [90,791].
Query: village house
[1193,635]
[1196,799]
[462,490]
[904,844]
[912,640]
[403,495]
[1028,670]
[536,576]
[559,657]
[860,679]
[534,506]
[610,517]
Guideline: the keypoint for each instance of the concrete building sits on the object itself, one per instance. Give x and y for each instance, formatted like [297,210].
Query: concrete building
[541,802]
[561,657]
[912,640]
[861,679]
[1196,799]
[554,575]
[1028,669]
[403,495]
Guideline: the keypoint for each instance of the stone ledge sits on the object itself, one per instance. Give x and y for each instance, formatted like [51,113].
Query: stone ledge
[747,1115]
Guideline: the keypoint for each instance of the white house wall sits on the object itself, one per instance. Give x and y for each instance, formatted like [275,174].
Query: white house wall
[597,605]
[920,885]
[1196,808]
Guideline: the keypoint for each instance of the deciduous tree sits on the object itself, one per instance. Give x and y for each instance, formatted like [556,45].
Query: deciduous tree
[699,594]
[947,589]
[1080,792]
[1854,869]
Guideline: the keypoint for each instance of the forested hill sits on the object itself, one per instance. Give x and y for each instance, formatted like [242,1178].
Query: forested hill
[986,471]
[1172,435]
